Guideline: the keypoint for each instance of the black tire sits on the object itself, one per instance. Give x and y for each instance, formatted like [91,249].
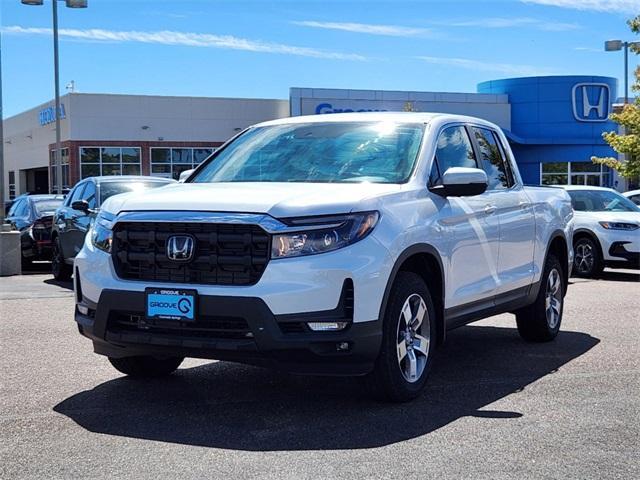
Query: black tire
[535,322]
[26,263]
[60,270]
[587,261]
[146,366]
[389,379]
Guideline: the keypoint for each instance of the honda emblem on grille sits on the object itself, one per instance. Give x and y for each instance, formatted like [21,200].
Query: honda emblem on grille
[180,248]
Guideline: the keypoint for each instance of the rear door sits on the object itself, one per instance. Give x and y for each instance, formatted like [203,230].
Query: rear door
[471,229]
[513,211]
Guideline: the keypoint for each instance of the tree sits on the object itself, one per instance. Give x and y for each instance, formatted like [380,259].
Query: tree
[629,118]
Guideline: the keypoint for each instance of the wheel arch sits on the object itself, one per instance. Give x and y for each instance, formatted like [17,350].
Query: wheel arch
[559,246]
[425,261]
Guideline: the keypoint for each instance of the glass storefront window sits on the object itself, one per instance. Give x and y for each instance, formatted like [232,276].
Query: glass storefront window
[554,179]
[575,173]
[110,155]
[555,167]
[53,172]
[95,161]
[169,162]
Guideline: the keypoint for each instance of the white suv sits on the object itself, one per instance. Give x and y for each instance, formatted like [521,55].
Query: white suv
[607,230]
[344,244]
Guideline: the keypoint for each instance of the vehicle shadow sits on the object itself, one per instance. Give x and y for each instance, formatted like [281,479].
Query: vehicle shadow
[231,406]
[66,284]
[36,268]
[611,276]
[617,276]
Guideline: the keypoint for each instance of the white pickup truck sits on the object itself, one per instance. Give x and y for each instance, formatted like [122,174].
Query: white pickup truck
[344,244]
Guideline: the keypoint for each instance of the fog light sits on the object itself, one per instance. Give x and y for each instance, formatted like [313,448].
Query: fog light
[342,346]
[83,310]
[327,326]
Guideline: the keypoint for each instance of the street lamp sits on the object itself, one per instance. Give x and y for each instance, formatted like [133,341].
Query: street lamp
[56,73]
[617,45]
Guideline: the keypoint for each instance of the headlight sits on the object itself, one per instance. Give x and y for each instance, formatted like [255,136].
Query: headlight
[102,233]
[344,231]
[619,226]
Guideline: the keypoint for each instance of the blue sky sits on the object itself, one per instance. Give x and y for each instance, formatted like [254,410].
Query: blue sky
[259,49]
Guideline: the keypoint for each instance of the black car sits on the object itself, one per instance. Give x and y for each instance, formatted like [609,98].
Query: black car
[73,219]
[32,215]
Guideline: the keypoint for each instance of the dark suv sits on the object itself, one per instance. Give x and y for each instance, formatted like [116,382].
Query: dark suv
[73,219]
[32,216]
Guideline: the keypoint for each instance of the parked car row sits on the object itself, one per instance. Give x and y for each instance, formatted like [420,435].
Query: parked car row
[53,227]
[73,219]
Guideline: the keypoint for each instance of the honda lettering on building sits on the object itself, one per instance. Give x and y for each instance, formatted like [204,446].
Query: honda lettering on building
[591,102]
[329,108]
[48,115]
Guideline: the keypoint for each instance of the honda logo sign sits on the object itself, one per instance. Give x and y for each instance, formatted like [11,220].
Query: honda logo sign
[591,102]
[180,248]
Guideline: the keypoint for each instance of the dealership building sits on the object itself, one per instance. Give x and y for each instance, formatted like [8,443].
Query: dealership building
[554,125]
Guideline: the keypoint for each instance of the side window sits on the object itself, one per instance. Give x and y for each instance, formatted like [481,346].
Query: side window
[23,209]
[491,159]
[89,195]
[454,150]
[15,208]
[507,160]
[76,194]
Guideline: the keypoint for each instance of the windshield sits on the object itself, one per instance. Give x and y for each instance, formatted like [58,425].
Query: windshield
[600,201]
[109,189]
[331,152]
[47,206]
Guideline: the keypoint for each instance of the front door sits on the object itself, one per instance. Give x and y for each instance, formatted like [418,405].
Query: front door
[469,225]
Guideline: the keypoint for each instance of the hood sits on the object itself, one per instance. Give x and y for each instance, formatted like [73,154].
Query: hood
[280,200]
[587,218]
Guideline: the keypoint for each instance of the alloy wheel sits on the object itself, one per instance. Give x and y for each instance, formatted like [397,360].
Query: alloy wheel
[584,258]
[413,338]
[553,299]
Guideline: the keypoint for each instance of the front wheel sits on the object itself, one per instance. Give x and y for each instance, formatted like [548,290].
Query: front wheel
[59,269]
[587,258]
[408,341]
[540,322]
[146,366]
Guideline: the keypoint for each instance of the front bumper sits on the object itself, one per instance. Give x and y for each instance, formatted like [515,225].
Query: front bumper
[241,329]
[620,248]
[624,258]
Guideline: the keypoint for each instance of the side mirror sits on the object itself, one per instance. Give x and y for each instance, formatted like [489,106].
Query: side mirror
[461,182]
[185,174]
[81,206]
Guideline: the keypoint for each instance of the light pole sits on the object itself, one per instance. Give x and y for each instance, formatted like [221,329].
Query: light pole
[617,45]
[56,73]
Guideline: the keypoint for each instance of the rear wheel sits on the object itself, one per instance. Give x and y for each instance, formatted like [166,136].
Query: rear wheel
[59,269]
[146,366]
[408,341]
[541,321]
[587,258]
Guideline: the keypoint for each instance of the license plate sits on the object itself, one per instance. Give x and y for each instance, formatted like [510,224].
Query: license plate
[166,304]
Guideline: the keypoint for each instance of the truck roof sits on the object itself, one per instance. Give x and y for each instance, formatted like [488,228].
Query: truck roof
[401,117]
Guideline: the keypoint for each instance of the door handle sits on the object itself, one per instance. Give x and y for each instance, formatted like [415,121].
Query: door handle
[489,209]
[524,205]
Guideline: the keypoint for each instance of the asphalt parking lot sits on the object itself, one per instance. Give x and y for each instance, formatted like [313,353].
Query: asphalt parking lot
[496,407]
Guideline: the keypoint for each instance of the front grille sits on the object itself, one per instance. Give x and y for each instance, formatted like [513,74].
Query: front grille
[206,327]
[225,254]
